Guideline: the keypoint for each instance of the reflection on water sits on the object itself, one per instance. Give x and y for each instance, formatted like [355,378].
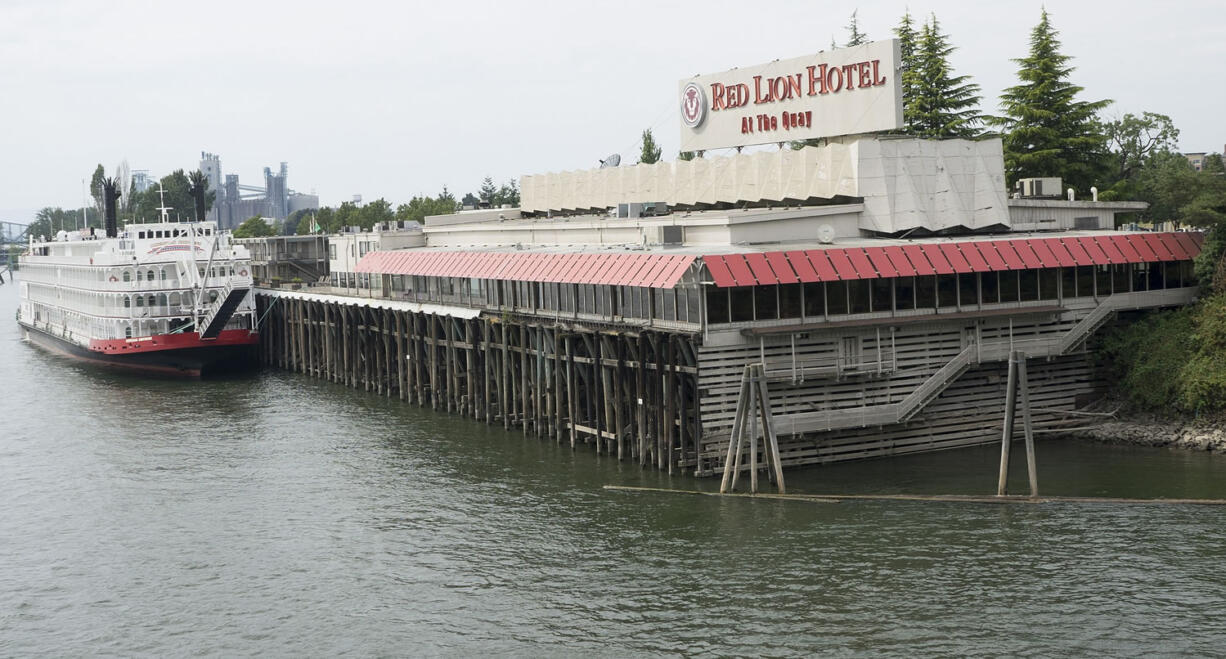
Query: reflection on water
[278,514]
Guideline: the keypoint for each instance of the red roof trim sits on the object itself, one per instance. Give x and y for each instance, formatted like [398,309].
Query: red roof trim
[740,269]
[1142,247]
[800,264]
[1129,252]
[898,259]
[860,260]
[719,271]
[988,251]
[881,261]
[760,268]
[955,258]
[842,265]
[822,265]
[1041,250]
[1022,247]
[918,260]
[1185,240]
[783,270]
[970,252]
[1155,243]
[937,259]
[1076,249]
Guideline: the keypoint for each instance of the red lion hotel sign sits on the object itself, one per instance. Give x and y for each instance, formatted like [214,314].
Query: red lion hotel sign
[846,91]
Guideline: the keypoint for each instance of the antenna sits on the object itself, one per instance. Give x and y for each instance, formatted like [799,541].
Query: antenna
[164,208]
[613,160]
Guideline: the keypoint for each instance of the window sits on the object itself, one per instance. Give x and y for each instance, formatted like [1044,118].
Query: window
[149,275]
[1140,276]
[1119,278]
[968,289]
[152,301]
[766,303]
[815,300]
[836,298]
[789,301]
[332,252]
[741,304]
[670,303]
[1068,282]
[127,302]
[883,294]
[1008,286]
[926,292]
[947,290]
[127,276]
[904,293]
[1030,285]
[1102,280]
[1048,284]
[140,301]
[1085,281]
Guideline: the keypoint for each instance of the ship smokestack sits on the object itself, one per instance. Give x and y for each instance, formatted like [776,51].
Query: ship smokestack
[110,193]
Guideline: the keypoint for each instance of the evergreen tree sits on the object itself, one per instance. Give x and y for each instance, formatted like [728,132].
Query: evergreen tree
[907,39]
[650,152]
[1047,131]
[940,104]
[854,36]
[488,191]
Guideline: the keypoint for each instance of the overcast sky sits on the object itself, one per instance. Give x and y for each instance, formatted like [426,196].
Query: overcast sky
[392,99]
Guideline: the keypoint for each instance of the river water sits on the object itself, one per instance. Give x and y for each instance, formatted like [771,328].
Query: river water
[273,514]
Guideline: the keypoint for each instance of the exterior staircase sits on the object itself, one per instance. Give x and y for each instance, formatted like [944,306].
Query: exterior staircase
[931,388]
[221,310]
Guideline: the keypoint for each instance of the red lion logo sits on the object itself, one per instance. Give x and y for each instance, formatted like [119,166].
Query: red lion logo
[693,105]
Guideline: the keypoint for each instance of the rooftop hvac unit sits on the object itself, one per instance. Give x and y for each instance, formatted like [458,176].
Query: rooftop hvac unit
[1039,188]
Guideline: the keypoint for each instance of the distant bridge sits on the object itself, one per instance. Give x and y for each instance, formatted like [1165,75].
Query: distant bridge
[12,233]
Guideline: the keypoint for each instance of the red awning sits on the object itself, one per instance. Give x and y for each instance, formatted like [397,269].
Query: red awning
[937,259]
[842,265]
[955,258]
[899,260]
[988,251]
[821,263]
[970,252]
[864,268]
[917,258]
[804,269]
[881,262]
[1029,258]
[760,268]
[783,270]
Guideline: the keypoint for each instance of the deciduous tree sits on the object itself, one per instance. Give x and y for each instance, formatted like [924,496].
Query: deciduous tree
[1133,140]
[254,227]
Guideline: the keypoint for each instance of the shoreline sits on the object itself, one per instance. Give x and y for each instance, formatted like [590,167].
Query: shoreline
[1204,433]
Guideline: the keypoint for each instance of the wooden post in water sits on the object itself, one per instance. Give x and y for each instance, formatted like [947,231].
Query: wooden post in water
[752,408]
[1007,435]
[1027,428]
[770,439]
[734,442]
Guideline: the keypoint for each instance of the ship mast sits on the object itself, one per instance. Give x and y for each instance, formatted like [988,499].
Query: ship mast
[164,208]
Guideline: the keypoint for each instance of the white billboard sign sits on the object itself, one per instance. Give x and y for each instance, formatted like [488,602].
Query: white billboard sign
[846,91]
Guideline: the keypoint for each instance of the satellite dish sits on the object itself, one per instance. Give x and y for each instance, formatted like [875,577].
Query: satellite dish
[825,234]
[612,161]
